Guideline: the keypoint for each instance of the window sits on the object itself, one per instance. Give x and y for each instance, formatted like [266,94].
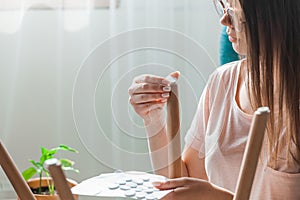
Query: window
[57,4]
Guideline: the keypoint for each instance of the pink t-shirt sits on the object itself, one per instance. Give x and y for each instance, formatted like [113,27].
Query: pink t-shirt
[219,133]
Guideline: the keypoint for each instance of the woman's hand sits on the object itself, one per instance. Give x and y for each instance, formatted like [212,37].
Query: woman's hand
[149,93]
[192,188]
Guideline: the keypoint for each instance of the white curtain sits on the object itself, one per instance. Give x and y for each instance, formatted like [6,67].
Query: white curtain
[65,67]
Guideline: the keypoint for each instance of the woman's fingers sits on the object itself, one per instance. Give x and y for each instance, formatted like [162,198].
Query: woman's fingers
[171,183]
[147,78]
[180,188]
[144,103]
[192,188]
[148,88]
[150,92]
[148,98]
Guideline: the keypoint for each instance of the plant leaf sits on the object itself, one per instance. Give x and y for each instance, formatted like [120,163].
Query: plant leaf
[38,166]
[67,148]
[44,155]
[66,162]
[44,150]
[43,158]
[52,152]
[28,173]
[47,154]
[67,165]
[70,169]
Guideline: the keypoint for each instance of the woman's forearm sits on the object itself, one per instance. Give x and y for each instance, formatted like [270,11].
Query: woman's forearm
[158,147]
[159,152]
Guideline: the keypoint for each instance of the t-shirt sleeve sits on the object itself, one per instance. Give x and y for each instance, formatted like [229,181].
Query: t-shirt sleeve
[195,136]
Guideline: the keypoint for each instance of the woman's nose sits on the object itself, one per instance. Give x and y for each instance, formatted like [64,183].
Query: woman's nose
[225,20]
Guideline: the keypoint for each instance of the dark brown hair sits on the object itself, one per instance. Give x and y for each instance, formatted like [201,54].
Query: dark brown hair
[273,37]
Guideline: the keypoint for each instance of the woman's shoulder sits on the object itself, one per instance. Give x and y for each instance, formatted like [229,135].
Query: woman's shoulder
[226,73]
[228,68]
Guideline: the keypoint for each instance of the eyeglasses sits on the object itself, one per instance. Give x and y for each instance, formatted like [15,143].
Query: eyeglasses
[222,9]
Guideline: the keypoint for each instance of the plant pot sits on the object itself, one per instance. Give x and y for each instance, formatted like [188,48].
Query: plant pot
[35,183]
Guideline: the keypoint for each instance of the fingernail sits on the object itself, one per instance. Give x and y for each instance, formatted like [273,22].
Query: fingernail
[156,184]
[164,100]
[164,95]
[171,79]
[167,88]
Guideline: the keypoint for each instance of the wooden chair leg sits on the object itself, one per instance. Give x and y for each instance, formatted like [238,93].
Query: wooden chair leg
[19,184]
[173,133]
[59,179]
[251,154]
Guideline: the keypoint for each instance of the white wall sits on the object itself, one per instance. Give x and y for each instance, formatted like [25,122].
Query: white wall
[39,63]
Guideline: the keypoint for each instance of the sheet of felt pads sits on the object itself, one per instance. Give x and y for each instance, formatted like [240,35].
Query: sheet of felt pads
[131,184]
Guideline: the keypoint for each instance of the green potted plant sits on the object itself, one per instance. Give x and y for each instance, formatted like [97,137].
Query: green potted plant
[43,186]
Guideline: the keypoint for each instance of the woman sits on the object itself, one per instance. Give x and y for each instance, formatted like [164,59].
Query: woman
[268,33]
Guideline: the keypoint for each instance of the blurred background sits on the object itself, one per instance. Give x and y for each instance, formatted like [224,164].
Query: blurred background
[47,45]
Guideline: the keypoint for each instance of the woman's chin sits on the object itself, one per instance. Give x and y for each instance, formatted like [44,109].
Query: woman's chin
[237,48]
